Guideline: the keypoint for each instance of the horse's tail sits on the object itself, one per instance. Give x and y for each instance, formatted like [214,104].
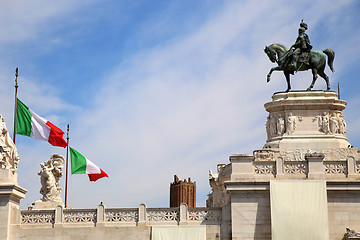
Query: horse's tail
[331,55]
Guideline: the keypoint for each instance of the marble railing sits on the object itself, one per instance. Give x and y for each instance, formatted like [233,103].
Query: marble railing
[123,216]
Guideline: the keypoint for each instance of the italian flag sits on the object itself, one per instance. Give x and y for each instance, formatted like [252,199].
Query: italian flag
[82,165]
[32,125]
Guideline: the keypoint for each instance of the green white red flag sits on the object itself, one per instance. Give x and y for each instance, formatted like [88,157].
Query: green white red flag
[28,123]
[82,165]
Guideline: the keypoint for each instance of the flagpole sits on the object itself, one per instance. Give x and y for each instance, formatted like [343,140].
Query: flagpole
[16,90]
[67,164]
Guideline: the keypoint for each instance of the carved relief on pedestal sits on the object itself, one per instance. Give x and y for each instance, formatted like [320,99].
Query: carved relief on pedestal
[264,162]
[323,122]
[290,123]
[263,155]
[280,124]
[334,123]
[293,155]
[50,174]
[341,124]
[271,126]
[275,125]
[9,157]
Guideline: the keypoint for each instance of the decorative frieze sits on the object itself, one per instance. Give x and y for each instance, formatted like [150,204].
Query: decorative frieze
[263,155]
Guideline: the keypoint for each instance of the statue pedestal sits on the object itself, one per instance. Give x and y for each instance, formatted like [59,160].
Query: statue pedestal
[42,205]
[8,177]
[10,195]
[306,120]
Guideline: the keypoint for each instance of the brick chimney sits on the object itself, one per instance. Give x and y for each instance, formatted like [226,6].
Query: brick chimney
[182,192]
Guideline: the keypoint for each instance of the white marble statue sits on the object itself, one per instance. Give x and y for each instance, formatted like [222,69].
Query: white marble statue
[342,124]
[280,124]
[51,172]
[324,123]
[9,157]
[290,123]
[272,125]
[267,126]
[334,123]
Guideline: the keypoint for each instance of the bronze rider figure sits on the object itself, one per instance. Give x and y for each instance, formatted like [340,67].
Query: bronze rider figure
[300,51]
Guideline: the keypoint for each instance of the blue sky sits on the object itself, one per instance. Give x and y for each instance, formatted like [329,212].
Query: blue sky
[156,88]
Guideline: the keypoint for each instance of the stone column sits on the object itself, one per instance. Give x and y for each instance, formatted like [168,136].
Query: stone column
[142,214]
[184,214]
[315,165]
[10,195]
[100,212]
[242,166]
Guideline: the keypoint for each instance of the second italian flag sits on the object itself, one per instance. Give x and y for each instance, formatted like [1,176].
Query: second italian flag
[81,165]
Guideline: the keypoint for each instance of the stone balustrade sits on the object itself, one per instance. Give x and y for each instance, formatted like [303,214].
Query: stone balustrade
[268,164]
[122,216]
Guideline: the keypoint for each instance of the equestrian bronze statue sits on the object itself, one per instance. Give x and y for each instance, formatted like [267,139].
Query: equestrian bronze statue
[300,57]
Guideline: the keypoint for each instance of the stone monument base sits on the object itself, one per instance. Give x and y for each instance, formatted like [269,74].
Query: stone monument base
[7,176]
[41,205]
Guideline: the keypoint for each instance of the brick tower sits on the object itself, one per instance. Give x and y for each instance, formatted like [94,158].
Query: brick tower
[182,192]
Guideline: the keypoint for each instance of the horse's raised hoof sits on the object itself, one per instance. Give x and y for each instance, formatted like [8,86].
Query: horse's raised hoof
[268,79]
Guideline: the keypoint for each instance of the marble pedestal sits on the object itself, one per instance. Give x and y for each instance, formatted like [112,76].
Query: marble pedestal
[306,120]
[46,205]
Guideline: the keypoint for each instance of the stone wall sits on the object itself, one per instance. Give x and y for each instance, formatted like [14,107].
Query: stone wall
[344,212]
[251,218]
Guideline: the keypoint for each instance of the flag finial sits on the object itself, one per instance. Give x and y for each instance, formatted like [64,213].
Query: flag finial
[16,77]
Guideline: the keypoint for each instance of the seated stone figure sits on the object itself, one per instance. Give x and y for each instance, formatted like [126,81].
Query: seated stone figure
[50,174]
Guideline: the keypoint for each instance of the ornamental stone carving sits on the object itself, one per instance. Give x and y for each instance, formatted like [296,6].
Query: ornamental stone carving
[290,123]
[299,167]
[263,155]
[9,157]
[334,123]
[342,124]
[323,122]
[280,124]
[50,174]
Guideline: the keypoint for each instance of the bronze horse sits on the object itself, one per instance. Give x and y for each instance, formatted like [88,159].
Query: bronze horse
[279,53]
